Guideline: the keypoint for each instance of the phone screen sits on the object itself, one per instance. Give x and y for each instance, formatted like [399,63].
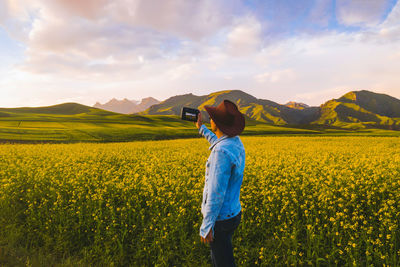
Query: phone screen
[189,114]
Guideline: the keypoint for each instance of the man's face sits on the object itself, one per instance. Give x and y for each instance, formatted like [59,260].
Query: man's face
[213,126]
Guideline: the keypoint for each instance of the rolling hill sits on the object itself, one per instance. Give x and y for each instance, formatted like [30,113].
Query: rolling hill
[61,109]
[354,110]
[355,113]
[255,109]
[73,122]
[361,109]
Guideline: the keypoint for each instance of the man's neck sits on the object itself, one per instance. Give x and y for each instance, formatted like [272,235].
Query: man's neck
[218,133]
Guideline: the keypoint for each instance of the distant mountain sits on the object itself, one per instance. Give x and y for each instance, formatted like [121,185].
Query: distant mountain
[361,109]
[357,109]
[296,105]
[146,103]
[254,109]
[127,106]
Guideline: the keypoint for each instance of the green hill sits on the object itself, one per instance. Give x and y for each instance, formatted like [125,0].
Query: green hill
[72,122]
[61,109]
[361,109]
[256,109]
[355,113]
[380,104]
[354,110]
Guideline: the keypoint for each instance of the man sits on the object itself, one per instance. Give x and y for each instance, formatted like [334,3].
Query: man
[221,207]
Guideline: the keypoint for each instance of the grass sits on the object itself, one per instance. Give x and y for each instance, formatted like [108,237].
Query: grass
[71,122]
[28,127]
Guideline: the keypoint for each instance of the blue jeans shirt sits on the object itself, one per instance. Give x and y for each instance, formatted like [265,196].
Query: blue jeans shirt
[224,176]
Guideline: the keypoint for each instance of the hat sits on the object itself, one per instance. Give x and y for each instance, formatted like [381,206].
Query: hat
[227,117]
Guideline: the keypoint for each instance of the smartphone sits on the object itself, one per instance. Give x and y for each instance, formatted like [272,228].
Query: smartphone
[189,114]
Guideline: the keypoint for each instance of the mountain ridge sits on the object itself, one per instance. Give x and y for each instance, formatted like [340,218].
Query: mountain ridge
[126,106]
[361,109]
[355,109]
[258,109]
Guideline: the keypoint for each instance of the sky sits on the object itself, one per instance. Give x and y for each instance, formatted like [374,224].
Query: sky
[310,51]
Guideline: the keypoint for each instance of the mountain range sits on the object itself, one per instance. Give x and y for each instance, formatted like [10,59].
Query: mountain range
[354,110]
[355,113]
[127,106]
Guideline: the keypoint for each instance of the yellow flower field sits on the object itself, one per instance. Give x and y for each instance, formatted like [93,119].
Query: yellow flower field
[305,201]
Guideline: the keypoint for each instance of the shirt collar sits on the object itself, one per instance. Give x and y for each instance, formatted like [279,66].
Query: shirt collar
[218,140]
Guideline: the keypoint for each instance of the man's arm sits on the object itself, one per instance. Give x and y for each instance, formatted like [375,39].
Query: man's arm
[210,136]
[219,174]
[203,130]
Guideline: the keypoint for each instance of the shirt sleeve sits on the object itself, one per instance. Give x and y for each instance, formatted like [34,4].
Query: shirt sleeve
[210,136]
[219,174]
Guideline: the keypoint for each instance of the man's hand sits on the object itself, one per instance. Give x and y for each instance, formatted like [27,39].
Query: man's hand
[208,238]
[199,121]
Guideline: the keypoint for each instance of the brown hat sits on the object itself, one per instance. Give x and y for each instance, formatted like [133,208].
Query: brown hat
[227,117]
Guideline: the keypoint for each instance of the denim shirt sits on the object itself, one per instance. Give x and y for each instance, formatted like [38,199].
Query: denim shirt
[223,179]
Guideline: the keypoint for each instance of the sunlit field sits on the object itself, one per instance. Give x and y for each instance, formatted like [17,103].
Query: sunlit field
[305,200]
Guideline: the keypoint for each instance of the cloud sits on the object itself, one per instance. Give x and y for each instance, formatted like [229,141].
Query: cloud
[184,71]
[326,94]
[389,30]
[360,12]
[245,37]
[321,12]
[128,48]
[393,19]
[3,11]
[75,38]
[90,9]
[385,32]
[187,19]
[15,18]
[276,76]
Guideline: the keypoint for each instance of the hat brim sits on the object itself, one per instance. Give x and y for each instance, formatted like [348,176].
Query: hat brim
[237,126]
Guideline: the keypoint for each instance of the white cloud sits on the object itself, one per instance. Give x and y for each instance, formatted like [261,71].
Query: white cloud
[389,30]
[276,76]
[360,12]
[15,17]
[245,37]
[183,71]
[69,37]
[189,19]
[124,49]
[326,94]
[393,19]
[3,11]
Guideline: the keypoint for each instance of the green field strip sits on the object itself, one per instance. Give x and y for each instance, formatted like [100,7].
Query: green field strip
[9,124]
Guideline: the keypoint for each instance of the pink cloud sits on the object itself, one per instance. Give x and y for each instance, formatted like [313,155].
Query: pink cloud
[90,9]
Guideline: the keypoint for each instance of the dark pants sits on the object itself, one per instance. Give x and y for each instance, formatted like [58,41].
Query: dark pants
[221,247]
